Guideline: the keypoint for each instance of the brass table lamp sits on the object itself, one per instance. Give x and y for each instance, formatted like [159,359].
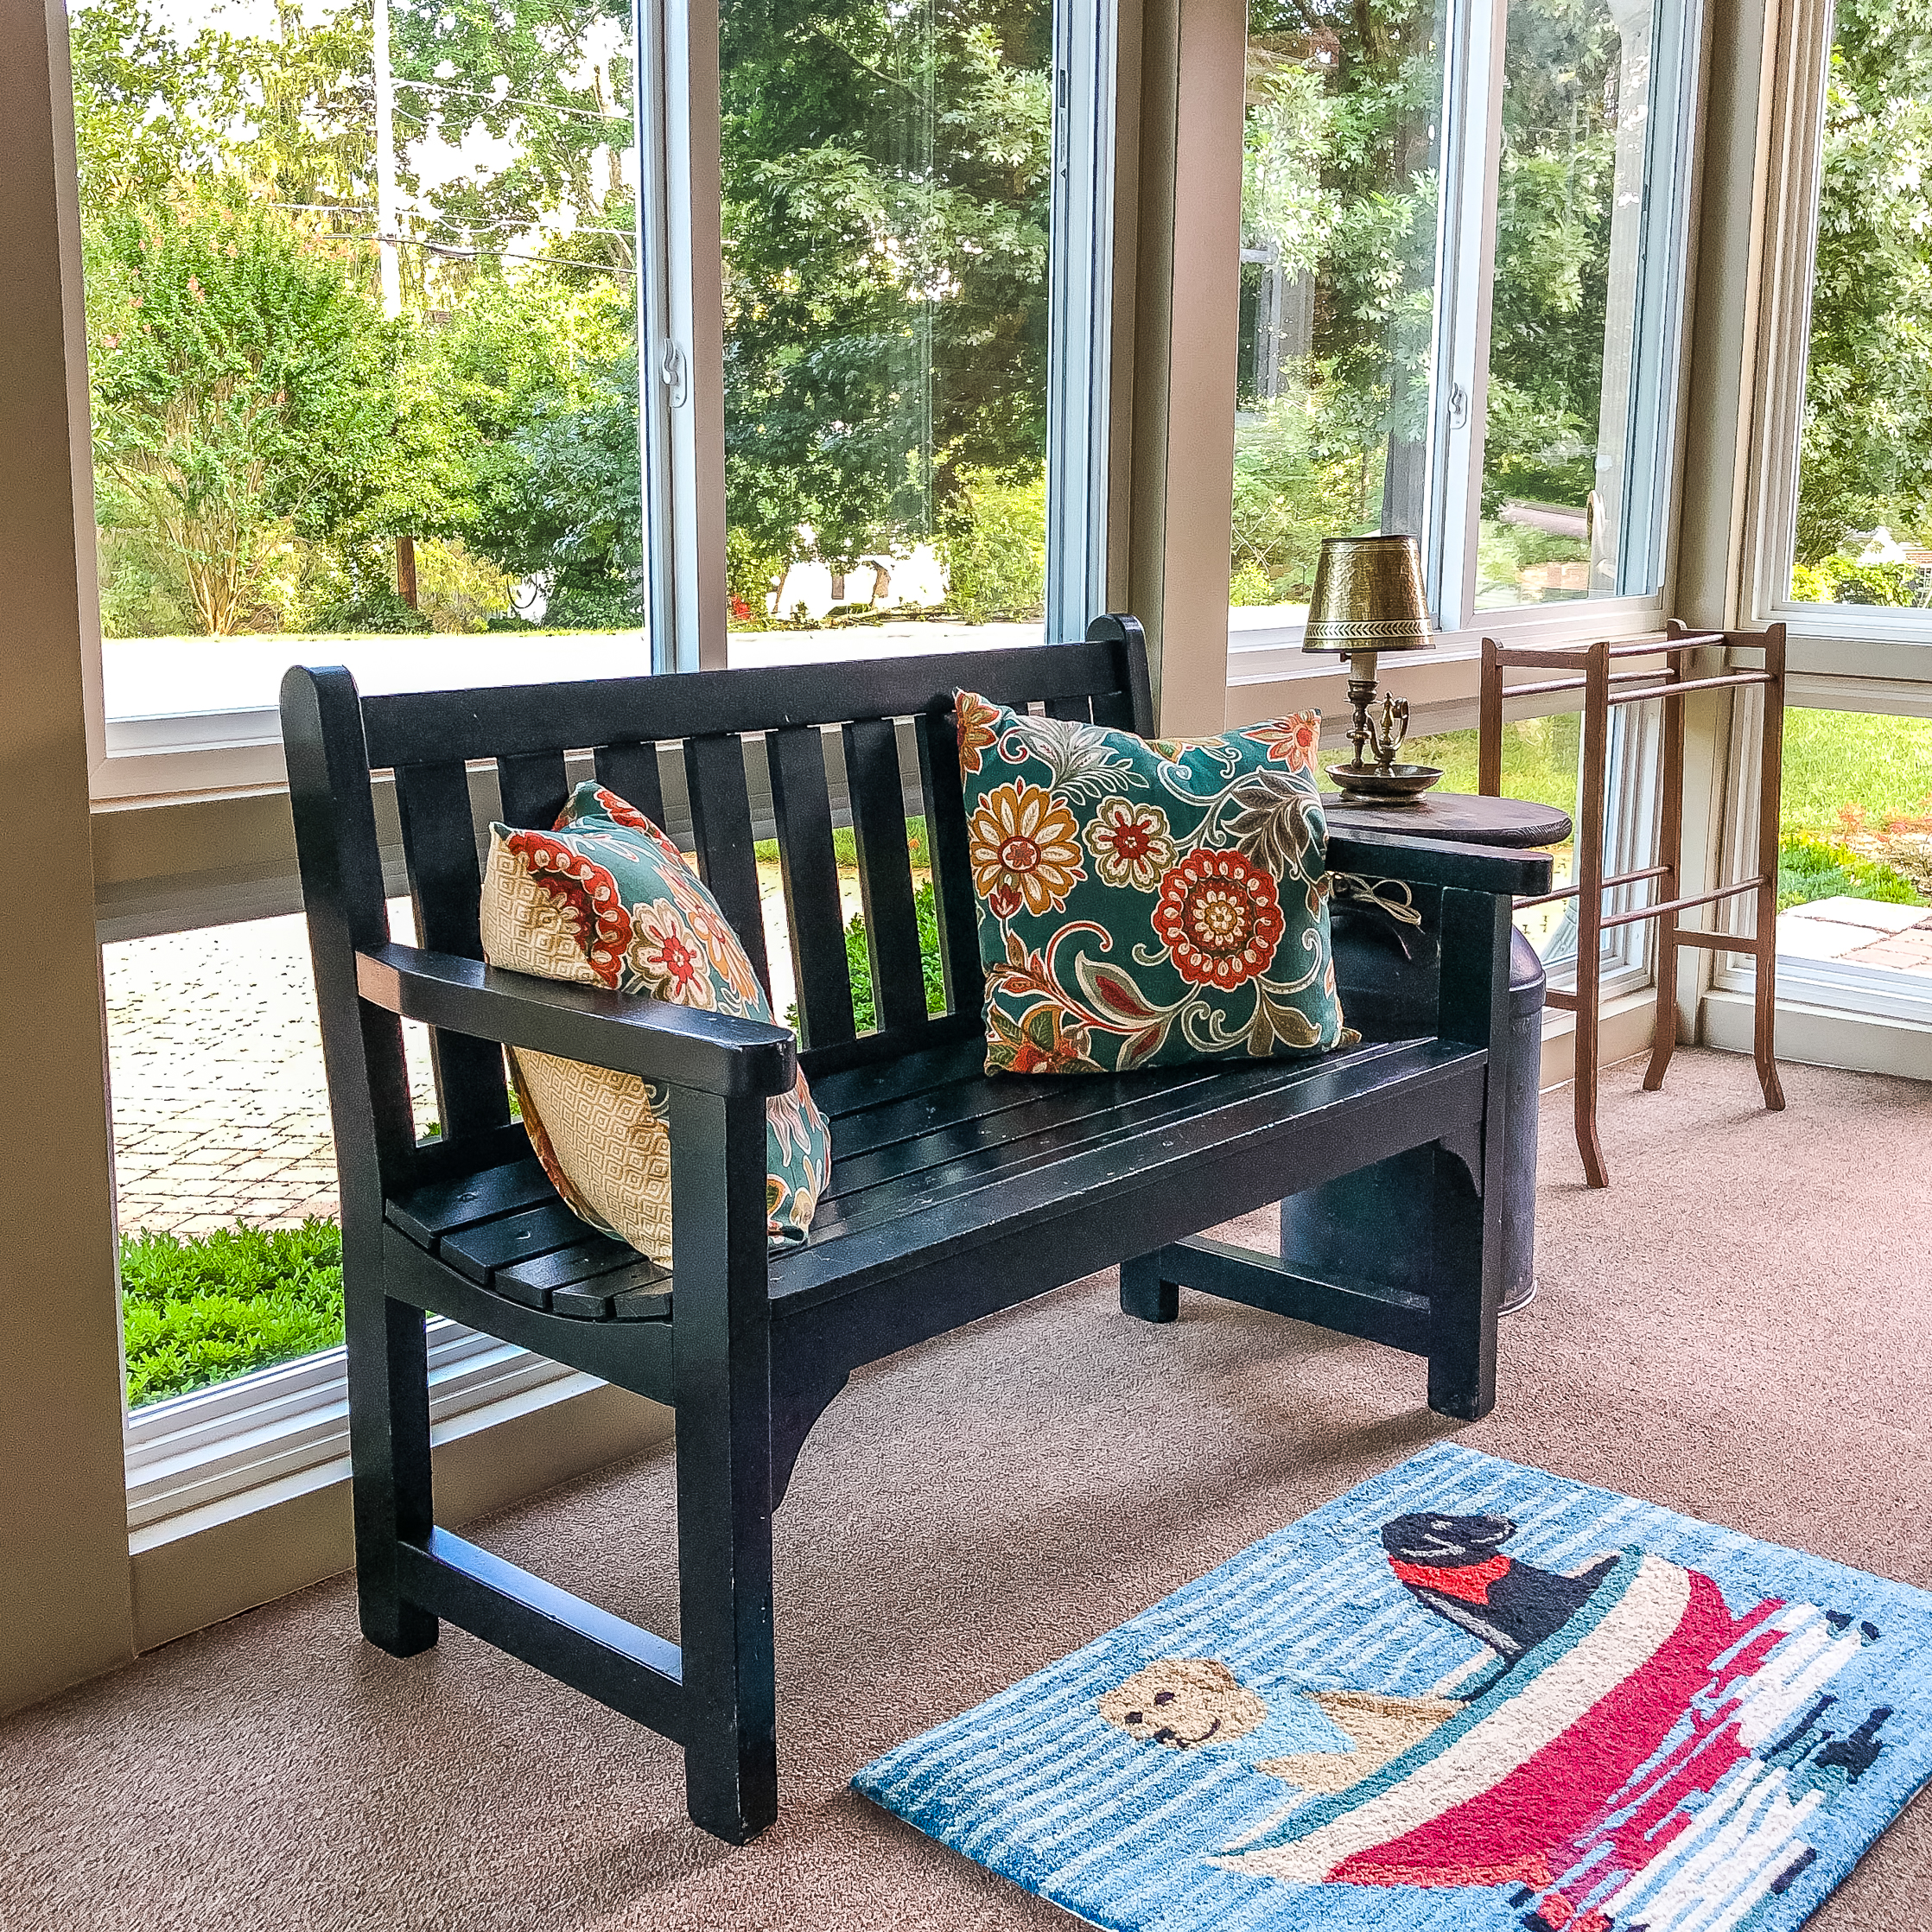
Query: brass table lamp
[1367,599]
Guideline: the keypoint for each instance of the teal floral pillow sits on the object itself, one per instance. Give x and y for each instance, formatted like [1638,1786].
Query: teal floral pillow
[605,899]
[1147,903]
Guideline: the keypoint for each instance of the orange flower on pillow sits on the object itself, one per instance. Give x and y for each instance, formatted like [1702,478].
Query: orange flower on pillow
[976,719]
[1291,741]
[1025,849]
[1220,918]
[668,956]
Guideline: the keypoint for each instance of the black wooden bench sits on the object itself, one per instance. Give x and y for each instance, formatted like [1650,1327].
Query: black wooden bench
[952,1194]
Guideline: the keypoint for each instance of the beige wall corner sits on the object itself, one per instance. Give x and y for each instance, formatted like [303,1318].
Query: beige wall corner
[1186,328]
[213,1563]
[64,1593]
[1728,253]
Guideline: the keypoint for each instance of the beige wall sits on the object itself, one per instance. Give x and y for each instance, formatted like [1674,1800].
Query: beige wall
[1193,56]
[64,1591]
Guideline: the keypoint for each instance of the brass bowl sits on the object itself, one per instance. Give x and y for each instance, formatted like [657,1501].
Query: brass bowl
[1369,785]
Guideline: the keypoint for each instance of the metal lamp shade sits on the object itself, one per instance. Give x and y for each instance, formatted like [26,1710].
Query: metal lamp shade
[1368,596]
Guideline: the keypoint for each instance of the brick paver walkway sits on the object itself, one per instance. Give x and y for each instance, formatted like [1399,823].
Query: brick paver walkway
[215,1064]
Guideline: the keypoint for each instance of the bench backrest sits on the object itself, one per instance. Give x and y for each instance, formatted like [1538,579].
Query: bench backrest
[871,744]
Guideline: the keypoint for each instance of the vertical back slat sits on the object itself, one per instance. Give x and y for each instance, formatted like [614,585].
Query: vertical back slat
[439,841]
[1114,710]
[535,786]
[873,783]
[631,770]
[721,820]
[1076,710]
[809,866]
[952,871]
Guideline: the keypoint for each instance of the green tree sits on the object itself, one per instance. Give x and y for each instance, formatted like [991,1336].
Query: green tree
[551,87]
[243,390]
[1866,453]
[886,185]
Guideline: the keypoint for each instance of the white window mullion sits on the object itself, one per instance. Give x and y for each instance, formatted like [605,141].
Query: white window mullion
[1080,308]
[1465,255]
[681,332]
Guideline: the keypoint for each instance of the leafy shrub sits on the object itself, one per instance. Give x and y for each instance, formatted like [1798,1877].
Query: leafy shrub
[1287,496]
[1841,578]
[858,960]
[1809,868]
[996,549]
[457,590]
[198,1309]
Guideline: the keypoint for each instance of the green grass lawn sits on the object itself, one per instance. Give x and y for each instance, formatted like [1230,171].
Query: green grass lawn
[1850,771]
[200,1309]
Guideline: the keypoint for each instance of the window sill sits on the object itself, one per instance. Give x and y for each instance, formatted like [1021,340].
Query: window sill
[1270,673]
[201,1565]
[188,1451]
[1809,1034]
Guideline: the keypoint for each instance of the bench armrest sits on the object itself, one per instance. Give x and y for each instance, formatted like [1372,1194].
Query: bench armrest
[654,1039]
[1427,861]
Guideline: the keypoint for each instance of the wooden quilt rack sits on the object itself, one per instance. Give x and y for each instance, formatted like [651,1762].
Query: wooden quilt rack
[1587,668]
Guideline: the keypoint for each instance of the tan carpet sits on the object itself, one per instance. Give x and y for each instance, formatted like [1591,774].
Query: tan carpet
[1738,1328]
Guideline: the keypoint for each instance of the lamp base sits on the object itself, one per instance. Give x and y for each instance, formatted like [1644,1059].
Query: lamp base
[1385,785]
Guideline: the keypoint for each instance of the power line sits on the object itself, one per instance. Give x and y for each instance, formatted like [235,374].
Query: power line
[514,100]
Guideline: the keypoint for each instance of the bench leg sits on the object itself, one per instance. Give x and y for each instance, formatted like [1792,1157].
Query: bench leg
[389,1445]
[1465,1294]
[1144,1295]
[721,1341]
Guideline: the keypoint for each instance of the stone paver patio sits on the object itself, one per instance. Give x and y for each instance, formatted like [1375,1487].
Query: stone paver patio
[215,1064]
[1858,932]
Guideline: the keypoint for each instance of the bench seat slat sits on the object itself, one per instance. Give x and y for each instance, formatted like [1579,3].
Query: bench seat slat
[721,818]
[997,1197]
[479,1252]
[433,802]
[808,864]
[586,1261]
[533,788]
[946,841]
[445,1206]
[913,1176]
[878,794]
[632,771]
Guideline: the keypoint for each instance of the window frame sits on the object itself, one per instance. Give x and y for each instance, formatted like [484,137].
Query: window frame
[1475,42]
[211,1446]
[1838,641]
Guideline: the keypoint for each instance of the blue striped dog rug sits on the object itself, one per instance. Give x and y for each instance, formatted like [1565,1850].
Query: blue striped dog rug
[1464,1696]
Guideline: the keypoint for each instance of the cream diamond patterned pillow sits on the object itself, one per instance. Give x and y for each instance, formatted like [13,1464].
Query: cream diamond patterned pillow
[605,899]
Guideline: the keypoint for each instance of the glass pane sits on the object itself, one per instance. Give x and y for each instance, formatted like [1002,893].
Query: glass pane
[1542,763]
[1569,212]
[1855,841]
[224,1161]
[1339,211]
[1864,468]
[887,170]
[390,408]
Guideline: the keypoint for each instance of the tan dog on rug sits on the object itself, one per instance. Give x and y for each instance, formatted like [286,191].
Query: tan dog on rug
[1187,1702]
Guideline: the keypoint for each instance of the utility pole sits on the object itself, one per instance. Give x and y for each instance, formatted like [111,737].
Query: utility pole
[388,249]
[386,168]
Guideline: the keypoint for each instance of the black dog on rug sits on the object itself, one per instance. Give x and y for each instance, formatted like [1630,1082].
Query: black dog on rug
[1455,1566]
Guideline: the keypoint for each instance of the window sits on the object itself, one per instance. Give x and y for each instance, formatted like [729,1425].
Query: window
[415,226]
[1371,272]
[1854,923]
[886,180]
[1861,523]
[362,339]
[1339,211]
